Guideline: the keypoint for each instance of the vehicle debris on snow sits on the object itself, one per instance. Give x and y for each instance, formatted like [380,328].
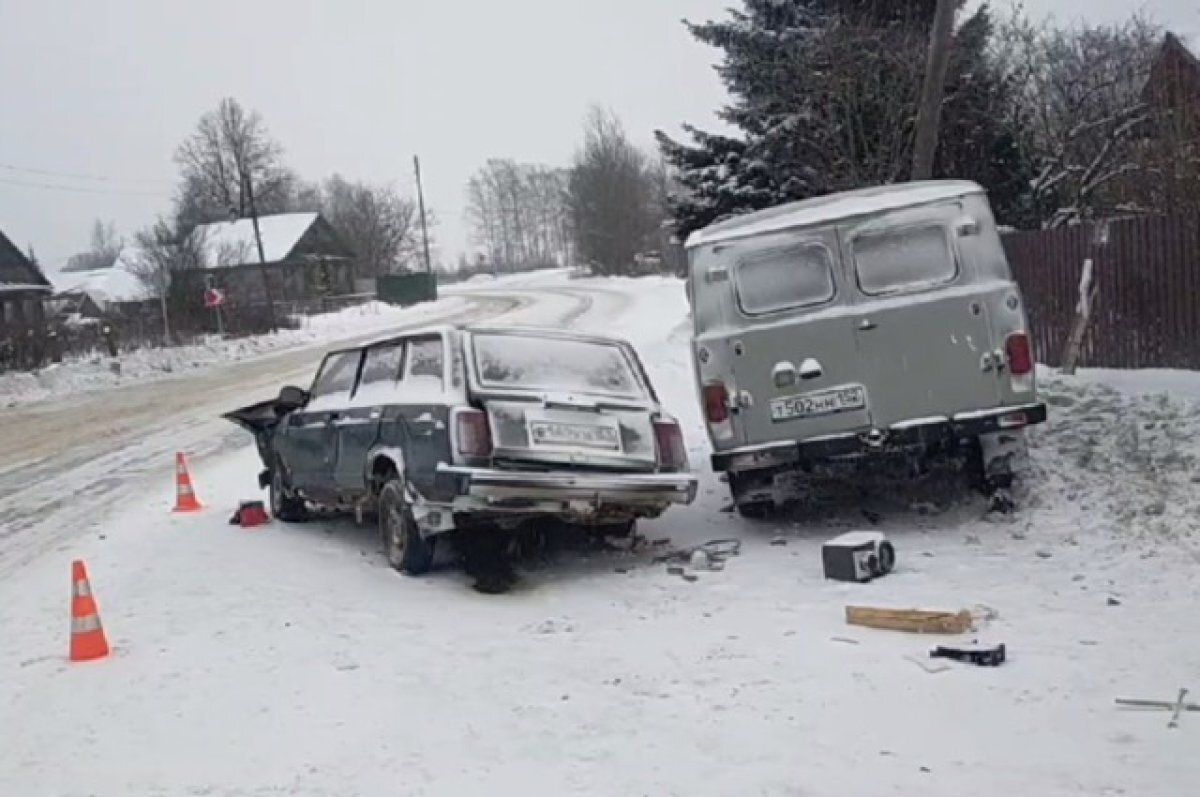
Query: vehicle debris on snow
[858,556]
[915,621]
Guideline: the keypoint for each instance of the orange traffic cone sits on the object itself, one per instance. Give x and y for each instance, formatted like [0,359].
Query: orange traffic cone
[185,496]
[87,635]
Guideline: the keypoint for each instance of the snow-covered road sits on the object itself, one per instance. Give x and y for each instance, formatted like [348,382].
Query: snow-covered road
[293,661]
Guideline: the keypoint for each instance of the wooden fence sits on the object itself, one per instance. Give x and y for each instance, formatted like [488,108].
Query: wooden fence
[1147,314]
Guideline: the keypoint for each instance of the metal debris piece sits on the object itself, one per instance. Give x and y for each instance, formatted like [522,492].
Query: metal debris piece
[1177,707]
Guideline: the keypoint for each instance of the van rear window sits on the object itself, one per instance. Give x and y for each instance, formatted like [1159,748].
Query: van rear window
[784,279]
[902,260]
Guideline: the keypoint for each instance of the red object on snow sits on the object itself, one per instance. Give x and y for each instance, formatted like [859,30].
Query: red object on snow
[251,514]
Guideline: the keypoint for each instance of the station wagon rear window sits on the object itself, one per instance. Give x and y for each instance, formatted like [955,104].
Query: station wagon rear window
[906,259]
[528,362]
[784,279]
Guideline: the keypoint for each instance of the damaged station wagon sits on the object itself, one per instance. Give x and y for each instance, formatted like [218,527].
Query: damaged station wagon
[454,429]
[872,322]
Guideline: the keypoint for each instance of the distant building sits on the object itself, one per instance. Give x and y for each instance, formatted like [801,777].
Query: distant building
[303,258]
[108,289]
[23,289]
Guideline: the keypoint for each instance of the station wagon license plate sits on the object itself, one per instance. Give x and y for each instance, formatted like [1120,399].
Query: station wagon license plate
[822,402]
[574,435]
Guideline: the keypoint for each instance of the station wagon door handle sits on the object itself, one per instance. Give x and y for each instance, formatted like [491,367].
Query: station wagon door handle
[866,325]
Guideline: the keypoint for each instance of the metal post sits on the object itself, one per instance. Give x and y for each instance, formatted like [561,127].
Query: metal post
[421,205]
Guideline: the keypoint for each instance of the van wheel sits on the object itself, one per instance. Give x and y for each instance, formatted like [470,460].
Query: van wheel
[757,510]
[751,496]
[403,545]
[284,504]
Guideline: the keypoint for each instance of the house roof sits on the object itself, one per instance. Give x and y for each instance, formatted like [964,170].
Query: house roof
[105,286]
[1174,76]
[232,243]
[822,209]
[17,273]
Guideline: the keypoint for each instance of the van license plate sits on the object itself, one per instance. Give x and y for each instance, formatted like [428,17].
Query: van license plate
[549,433]
[823,402]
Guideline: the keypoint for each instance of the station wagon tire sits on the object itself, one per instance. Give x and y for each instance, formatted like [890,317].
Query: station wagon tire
[284,505]
[403,545]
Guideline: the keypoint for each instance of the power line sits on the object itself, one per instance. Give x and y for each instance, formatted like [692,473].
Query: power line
[81,189]
[78,176]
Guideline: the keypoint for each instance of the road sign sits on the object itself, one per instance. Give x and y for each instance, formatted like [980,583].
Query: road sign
[213,298]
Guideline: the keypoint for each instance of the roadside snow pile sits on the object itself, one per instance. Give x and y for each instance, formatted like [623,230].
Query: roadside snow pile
[1126,461]
[100,371]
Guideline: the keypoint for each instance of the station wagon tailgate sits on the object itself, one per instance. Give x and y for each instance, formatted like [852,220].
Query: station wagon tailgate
[558,402]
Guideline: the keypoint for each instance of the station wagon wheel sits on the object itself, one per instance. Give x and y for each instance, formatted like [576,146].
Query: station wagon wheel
[403,545]
[284,505]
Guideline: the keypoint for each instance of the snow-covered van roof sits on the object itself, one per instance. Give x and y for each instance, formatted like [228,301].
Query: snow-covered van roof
[833,207]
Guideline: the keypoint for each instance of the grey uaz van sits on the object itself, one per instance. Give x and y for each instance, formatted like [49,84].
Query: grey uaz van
[882,320]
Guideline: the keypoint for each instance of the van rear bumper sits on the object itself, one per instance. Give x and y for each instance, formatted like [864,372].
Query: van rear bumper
[931,432]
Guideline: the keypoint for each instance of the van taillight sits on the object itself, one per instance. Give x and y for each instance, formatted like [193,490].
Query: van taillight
[716,402]
[474,434]
[1020,355]
[670,449]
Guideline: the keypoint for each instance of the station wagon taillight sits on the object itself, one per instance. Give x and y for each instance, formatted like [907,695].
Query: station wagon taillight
[669,446]
[473,433]
[716,402]
[1020,354]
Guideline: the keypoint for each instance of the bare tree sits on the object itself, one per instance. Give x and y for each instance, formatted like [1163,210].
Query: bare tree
[1084,94]
[611,197]
[230,156]
[162,250]
[106,245]
[518,214]
[377,223]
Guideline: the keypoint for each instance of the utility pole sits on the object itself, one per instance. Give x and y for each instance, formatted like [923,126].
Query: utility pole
[262,259]
[421,205]
[930,113]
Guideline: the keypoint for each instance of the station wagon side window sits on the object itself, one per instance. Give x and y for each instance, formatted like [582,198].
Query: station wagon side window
[382,364]
[786,278]
[335,379]
[426,363]
[903,259]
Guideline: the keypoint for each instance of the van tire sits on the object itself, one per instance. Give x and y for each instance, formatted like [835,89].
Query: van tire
[406,550]
[284,505]
[757,510]
[746,490]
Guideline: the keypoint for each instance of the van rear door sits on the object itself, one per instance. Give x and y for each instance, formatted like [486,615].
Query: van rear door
[795,365]
[922,325]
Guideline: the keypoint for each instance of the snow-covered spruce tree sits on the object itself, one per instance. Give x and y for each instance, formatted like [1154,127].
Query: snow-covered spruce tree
[824,94]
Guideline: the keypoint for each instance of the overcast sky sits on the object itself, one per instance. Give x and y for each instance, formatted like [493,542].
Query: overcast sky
[109,89]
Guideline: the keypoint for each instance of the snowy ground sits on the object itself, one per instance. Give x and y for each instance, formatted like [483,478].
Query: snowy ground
[292,661]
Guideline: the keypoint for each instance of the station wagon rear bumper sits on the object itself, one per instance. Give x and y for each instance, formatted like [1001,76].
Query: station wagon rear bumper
[914,434]
[594,488]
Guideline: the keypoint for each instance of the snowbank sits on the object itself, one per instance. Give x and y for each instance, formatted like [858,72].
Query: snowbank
[1124,461]
[100,371]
